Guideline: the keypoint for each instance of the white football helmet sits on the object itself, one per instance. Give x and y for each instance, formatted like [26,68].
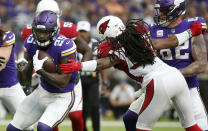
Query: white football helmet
[50,5]
[110,26]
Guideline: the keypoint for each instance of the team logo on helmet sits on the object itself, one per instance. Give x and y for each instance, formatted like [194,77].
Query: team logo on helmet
[103,27]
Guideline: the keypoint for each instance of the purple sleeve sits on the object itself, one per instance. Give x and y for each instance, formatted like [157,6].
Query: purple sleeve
[203,22]
[29,47]
[68,48]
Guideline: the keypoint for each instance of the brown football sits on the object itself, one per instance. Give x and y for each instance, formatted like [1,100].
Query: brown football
[49,65]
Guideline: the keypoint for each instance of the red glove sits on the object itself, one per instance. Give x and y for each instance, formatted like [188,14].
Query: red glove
[71,66]
[196,29]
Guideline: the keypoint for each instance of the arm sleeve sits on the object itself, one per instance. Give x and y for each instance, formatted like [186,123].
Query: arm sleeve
[204,25]
[29,47]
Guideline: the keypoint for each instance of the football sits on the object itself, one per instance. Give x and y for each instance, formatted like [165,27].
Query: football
[49,65]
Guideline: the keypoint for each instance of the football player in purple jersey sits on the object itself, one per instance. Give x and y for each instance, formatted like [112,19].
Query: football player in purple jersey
[51,102]
[11,92]
[190,56]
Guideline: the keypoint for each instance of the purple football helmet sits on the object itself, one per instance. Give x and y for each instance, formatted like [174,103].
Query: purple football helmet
[45,28]
[167,11]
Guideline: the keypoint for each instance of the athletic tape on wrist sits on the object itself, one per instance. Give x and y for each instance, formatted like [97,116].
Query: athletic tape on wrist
[184,36]
[89,65]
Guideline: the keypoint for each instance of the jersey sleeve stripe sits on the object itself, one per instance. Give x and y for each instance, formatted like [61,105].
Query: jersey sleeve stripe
[8,44]
[68,53]
[70,49]
[25,50]
[204,27]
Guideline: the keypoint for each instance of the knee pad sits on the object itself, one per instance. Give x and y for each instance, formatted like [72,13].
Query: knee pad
[12,128]
[130,120]
[43,127]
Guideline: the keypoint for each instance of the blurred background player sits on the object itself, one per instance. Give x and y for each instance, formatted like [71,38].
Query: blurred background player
[50,103]
[69,30]
[121,98]
[11,93]
[90,82]
[121,49]
[190,56]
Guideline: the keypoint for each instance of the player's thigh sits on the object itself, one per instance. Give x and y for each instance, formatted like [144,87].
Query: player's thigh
[29,111]
[78,103]
[182,102]
[2,111]
[58,109]
[13,96]
[150,105]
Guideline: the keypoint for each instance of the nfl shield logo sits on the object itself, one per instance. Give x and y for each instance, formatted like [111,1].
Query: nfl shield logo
[173,30]
[159,33]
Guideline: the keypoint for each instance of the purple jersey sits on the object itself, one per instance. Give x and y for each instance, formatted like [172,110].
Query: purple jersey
[9,73]
[60,48]
[180,56]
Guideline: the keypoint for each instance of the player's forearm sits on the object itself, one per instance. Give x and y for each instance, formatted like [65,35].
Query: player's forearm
[194,69]
[159,44]
[172,40]
[57,80]
[25,74]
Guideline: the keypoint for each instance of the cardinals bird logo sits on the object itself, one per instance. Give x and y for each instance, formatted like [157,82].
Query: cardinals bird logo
[103,27]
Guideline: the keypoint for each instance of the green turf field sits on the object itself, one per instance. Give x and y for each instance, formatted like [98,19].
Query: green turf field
[109,124]
[68,128]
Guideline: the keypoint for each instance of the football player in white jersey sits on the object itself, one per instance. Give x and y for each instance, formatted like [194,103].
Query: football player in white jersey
[129,49]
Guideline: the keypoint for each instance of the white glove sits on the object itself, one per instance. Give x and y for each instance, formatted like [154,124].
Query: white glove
[20,63]
[38,64]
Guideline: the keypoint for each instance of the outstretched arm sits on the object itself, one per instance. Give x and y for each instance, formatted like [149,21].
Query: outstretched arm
[159,44]
[178,39]
[93,65]
[199,54]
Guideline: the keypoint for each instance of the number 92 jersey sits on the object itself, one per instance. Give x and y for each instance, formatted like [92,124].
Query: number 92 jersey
[180,56]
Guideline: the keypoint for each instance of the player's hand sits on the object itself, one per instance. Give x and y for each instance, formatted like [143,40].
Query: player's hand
[38,64]
[2,60]
[196,29]
[20,63]
[71,66]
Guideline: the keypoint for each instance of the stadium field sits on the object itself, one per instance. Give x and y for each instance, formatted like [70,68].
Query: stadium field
[111,126]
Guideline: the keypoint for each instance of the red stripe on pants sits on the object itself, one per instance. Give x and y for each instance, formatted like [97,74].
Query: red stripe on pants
[149,95]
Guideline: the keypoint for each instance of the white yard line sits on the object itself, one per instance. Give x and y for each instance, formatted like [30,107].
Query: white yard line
[110,123]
